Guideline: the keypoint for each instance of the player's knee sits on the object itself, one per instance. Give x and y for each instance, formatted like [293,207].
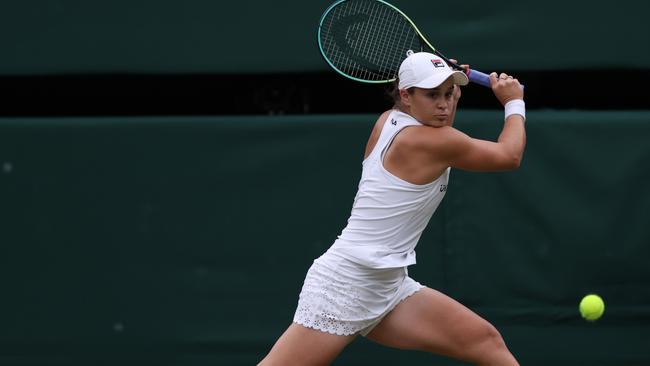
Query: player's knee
[489,345]
[471,345]
[485,340]
[494,338]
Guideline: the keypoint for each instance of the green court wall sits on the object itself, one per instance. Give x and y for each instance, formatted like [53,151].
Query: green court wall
[184,240]
[203,36]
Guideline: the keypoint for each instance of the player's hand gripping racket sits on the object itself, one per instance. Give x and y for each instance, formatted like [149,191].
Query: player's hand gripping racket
[367,40]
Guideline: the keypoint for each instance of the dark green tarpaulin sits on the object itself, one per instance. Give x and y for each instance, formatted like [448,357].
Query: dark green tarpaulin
[202,36]
[184,241]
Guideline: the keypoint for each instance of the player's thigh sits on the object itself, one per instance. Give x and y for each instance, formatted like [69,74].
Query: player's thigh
[304,346]
[432,321]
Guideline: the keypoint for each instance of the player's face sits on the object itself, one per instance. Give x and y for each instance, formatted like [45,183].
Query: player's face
[431,107]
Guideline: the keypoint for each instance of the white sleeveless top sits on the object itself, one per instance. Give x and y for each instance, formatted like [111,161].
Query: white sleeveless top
[389,213]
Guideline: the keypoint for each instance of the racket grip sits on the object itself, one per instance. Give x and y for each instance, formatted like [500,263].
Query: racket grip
[481,78]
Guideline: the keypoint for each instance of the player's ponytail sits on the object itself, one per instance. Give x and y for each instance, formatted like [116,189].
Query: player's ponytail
[393,94]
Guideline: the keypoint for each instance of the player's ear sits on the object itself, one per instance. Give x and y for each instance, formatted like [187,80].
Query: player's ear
[405,97]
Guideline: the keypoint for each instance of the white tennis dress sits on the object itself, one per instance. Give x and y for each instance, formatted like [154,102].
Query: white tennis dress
[363,276]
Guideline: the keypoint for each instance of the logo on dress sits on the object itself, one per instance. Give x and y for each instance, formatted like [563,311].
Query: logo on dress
[393,122]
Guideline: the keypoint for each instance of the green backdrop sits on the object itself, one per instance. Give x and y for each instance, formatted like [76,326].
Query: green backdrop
[184,241]
[204,36]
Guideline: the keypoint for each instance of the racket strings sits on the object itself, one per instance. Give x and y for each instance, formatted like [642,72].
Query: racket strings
[398,41]
[367,39]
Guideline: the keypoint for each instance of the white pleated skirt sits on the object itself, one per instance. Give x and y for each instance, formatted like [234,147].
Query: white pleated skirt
[344,298]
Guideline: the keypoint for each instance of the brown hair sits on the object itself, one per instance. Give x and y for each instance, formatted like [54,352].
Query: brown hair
[393,93]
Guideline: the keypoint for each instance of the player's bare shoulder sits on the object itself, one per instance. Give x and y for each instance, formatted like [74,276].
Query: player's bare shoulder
[376,132]
[439,141]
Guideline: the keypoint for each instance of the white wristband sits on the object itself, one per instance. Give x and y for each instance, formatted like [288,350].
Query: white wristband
[516,106]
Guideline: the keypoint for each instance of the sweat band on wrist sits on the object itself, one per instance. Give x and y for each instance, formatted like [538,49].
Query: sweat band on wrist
[516,106]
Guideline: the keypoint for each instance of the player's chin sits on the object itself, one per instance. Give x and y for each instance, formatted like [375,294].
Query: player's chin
[438,121]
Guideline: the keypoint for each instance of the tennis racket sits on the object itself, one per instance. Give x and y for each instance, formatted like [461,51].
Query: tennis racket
[367,40]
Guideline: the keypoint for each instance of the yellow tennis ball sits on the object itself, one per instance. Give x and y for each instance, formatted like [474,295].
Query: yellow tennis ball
[592,307]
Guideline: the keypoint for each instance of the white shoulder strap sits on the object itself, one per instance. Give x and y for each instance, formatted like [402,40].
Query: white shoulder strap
[395,122]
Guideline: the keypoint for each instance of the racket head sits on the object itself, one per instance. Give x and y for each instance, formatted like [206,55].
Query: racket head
[367,40]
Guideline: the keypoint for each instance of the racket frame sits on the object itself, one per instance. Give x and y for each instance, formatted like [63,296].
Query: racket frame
[422,38]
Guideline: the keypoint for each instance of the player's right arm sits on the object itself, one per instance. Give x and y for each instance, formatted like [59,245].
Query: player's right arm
[464,152]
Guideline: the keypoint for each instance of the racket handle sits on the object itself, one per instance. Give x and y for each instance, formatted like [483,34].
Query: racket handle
[481,78]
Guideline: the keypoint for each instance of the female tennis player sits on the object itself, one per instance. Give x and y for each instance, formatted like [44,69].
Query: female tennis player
[360,285]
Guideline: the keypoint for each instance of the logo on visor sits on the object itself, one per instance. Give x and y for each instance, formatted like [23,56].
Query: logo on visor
[438,63]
